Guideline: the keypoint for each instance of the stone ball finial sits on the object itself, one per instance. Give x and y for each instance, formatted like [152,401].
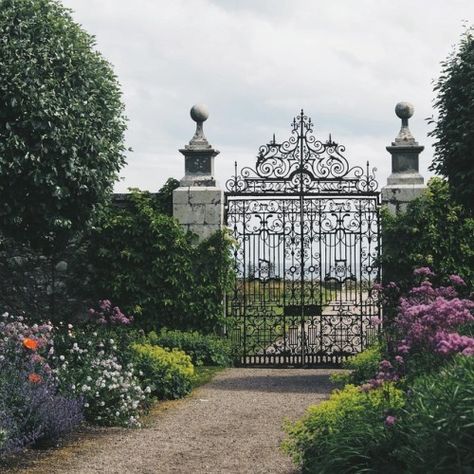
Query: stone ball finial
[199,113]
[404,110]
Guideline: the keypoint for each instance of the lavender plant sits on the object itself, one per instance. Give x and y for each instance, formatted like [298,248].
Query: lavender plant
[31,410]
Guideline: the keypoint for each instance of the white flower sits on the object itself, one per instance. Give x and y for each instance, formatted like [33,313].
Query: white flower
[69,326]
[86,405]
[61,358]
[112,341]
[148,389]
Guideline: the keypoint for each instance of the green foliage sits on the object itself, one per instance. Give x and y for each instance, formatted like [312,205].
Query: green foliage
[145,262]
[433,232]
[203,349]
[61,124]
[454,127]
[164,197]
[169,373]
[346,433]
[363,366]
[436,429]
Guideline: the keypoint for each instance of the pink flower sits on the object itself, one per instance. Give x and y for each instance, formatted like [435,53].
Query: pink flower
[399,359]
[457,280]
[390,420]
[423,271]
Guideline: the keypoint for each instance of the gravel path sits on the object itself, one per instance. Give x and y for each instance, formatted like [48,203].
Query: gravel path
[230,425]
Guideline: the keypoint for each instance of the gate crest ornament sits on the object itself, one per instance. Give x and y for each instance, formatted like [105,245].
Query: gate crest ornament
[303,164]
[307,228]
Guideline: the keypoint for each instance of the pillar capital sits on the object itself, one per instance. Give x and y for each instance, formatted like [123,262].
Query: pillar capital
[405,183]
[199,154]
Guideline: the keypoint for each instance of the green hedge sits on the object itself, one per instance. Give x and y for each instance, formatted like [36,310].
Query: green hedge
[169,373]
[203,349]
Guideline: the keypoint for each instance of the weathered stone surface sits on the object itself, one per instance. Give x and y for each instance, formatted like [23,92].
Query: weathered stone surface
[405,183]
[199,154]
[199,210]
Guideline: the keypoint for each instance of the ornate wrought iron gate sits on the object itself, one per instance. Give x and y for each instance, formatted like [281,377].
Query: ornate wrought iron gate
[307,232]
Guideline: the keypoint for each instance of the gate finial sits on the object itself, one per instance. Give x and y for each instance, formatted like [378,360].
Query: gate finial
[405,183]
[199,154]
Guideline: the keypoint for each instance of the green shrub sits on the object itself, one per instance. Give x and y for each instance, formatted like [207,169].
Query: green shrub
[436,429]
[203,349]
[91,363]
[346,433]
[146,263]
[169,373]
[434,232]
[363,366]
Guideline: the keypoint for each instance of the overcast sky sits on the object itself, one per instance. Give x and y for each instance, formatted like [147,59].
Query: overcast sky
[256,63]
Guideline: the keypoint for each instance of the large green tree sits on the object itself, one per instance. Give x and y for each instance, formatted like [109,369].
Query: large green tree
[454,127]
[62,124]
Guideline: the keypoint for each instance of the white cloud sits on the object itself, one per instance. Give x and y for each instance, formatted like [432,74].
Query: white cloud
[256,63]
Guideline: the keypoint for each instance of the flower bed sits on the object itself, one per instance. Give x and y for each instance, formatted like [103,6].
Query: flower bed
[102,371]
[425,369]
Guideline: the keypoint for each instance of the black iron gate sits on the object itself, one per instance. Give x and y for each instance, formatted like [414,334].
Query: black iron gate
[306,259]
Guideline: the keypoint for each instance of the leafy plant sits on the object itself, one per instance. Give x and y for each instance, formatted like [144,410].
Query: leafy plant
[89,364]
[350,432]
[434,232]
[454,126]
[363,366]
[203,349]
[61,124]
[147,264]
[436,428]
[169,373]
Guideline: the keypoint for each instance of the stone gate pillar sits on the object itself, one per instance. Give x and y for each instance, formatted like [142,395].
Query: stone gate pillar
[405,183]
[198,202]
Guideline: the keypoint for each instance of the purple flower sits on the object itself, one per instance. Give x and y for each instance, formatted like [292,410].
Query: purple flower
[385,365]
[390,420]
[423,271]
[457,280]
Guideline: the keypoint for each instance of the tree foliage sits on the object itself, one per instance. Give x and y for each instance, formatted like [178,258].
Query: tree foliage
[434,232]
[454,127]
[61,124]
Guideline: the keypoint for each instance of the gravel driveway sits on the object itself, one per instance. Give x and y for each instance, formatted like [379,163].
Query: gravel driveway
[231,425]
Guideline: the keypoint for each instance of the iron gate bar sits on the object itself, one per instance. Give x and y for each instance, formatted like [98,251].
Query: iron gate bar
[303,211]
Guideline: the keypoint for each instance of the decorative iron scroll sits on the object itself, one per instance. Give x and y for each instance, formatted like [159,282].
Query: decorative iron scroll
[303,164]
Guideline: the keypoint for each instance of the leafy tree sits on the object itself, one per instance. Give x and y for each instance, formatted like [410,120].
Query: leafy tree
[61,124]
[434,231]
[454,128]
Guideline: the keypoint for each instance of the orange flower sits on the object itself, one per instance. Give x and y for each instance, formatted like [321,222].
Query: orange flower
[30,343]
[34,378]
